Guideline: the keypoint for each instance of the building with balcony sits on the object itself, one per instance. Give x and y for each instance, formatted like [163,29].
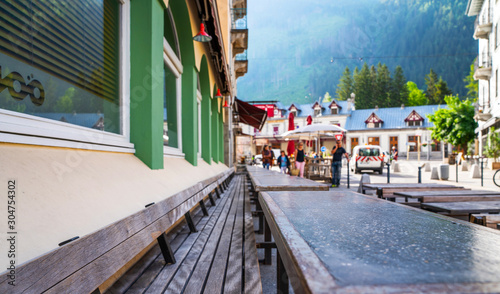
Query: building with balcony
[486,66]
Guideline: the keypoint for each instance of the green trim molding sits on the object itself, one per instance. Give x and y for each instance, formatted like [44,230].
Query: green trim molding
[215,131]
[146,81]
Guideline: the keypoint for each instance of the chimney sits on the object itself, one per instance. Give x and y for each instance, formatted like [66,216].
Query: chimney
[376,107]
[350,102]
[402,106]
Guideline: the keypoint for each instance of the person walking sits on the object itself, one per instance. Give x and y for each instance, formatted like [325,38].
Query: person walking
[337,153]
[283,162]
[395,153]
[300,159]
[266,157]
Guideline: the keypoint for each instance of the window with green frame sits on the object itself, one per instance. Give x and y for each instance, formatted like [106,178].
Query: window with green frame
[60,60]
[171,85]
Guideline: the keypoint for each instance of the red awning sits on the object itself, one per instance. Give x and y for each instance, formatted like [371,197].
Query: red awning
[250,114]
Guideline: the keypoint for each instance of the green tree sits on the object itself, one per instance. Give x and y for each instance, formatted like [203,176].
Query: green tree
[346,85]
[471,84]
[327,97]
[431,80]
[363,88]
[399,92]
[492,150]
[454,124]
[65,103]
[416,97]
[437,88]
[382,87]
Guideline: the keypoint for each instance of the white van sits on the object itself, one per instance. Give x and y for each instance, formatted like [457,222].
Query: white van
[367,157]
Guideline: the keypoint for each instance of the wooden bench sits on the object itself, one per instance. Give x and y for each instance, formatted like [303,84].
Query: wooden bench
[219,258]
[83,265]
[488,220]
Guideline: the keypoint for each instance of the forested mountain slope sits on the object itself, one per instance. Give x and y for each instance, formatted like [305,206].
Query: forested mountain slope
[299,49]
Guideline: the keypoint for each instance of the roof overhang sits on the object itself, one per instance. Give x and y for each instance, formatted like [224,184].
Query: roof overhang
[474,7]
[216,45]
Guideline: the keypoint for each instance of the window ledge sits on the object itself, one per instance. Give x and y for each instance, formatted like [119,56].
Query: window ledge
[21,128]
[172,152]
[51,142]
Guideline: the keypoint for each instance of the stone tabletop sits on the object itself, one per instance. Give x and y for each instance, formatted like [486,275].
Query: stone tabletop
[363,241]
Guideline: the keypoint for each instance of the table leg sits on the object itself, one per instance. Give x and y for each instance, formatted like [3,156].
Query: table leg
[281,275]
[267,238]
[258,208]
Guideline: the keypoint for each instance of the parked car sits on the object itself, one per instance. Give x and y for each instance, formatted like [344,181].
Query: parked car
[367,157]
[387,156]
[258,159]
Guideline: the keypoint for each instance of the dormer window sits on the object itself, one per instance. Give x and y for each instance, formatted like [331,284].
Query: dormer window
[334,108]
[317,109]
[414,119]
[293,110]
[373,122]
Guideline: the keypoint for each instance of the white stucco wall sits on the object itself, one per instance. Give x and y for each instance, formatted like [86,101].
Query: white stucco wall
[63,193]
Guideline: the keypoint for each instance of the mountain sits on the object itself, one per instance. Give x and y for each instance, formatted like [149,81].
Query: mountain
[299,49]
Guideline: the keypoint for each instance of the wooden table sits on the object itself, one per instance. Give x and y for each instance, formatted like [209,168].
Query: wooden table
[449,195]
[344,242]
[280,182]
[273,181]
[387,190]
[457,208]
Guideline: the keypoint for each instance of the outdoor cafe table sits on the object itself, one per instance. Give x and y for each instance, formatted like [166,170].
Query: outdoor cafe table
[457,208]
[388,190]
[449,195]
[339,242]
[274,181]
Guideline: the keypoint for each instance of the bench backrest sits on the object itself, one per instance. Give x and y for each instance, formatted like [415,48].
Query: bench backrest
[84,264]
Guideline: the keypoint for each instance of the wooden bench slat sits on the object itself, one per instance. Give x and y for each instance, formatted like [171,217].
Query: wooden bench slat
[252,280]
[166,277]
[233,281]
[182,275]
[216,277]
[426,199]
[176,239]
[211,254]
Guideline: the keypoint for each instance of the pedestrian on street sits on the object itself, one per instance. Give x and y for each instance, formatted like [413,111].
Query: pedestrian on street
[300,159]
[337,153]
[283,162]
[395,153]
[266,157]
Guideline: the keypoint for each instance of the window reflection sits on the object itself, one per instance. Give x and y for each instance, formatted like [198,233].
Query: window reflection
[59,60]
[170,110]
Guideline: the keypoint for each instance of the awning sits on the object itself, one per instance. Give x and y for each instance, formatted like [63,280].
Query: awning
[250,114]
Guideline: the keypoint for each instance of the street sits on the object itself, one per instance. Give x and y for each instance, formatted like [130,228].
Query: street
[409,174]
